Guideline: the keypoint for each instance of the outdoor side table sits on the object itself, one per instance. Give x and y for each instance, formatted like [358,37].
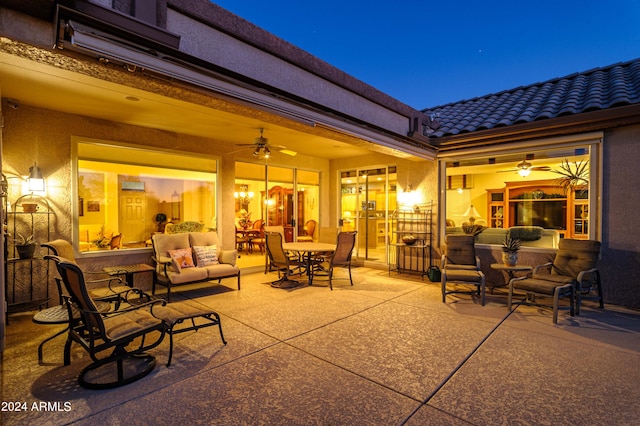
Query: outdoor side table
[128,271]
[511,271]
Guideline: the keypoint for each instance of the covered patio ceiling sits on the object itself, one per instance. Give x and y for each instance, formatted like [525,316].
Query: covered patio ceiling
[25,82]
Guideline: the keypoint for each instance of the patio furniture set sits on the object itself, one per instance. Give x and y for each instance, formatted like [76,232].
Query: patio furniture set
[572,273]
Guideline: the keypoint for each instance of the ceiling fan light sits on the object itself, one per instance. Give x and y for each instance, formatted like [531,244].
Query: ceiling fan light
[524,172]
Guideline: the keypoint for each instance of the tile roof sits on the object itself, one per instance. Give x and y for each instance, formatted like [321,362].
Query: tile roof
[597,89]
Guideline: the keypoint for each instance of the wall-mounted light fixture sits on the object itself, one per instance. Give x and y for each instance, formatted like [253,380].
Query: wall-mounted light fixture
[36,179]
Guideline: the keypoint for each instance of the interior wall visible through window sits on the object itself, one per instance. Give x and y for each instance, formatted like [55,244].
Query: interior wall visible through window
[125,194]
[549,191]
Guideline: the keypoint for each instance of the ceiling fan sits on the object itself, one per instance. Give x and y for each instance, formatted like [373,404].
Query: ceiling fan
[262,147]
[524,168]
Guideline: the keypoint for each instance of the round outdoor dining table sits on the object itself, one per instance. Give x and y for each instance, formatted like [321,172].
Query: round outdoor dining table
[308,249]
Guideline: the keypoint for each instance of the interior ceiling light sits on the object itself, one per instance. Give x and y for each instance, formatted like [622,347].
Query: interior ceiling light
[524,168]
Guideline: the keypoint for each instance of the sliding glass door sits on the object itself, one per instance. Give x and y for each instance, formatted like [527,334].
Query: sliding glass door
[368,198]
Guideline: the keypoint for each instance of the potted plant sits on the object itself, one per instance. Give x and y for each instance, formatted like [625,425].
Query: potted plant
[572,176]
[161,218]
[25,246]
[510,248]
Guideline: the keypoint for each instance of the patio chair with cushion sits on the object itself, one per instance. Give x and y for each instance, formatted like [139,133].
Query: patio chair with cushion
[115,287]
[460,266]
[572,273]
[340,257]
[116,341]
[281,262]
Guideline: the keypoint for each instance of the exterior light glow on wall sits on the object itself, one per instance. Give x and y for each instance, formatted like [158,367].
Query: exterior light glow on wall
[36,179]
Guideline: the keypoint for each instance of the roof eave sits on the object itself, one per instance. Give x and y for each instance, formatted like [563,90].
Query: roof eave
[578,123]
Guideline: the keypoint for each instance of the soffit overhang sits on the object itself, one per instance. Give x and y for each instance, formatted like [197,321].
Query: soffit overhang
[111,36]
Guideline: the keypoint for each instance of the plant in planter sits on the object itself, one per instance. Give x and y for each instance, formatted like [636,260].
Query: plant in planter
[25,246]
[572,175]
[510,248]
[161,218]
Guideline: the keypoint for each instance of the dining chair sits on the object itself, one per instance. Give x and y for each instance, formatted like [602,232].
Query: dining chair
[242,241]
[309,231]
[461,266]
[325,266]
[282,263]
[572,273]
[258,238]
[116,242]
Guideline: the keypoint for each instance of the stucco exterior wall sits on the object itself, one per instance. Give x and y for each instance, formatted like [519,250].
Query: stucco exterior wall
[620,264]
[233,54]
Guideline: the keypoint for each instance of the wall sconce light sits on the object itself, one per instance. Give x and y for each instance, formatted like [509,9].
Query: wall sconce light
[36,179]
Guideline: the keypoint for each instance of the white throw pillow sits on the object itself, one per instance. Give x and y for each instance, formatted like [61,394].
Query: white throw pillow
[206,255]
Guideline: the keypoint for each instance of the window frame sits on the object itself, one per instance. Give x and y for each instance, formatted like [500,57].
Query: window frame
[593,140]
[156,154]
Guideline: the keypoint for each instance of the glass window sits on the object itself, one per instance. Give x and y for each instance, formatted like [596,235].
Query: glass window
[267,193]
[125,194]
[548,189]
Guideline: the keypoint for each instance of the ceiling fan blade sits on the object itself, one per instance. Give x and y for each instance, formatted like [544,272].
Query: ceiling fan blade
[541,168]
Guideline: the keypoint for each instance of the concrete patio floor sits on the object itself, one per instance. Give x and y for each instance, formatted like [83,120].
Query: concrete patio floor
[386,351]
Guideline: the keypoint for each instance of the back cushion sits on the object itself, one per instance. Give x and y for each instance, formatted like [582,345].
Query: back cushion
[203,238]
[206,255]
[162,243]
[575,256]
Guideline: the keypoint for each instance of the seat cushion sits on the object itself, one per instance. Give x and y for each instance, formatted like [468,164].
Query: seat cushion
[203,239]
[221,270]
[463,275]
[559,279]
[130,322]
[540,286]
[453,267]
[175,312]
[187,275]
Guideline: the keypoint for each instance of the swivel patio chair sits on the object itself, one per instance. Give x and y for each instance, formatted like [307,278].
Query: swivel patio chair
[282,263]
[572,273]
[114,293]
[460,266]
[116,341]
[340,257]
